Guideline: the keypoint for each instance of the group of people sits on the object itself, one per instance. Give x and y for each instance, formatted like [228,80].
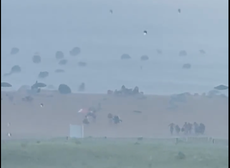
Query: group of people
[125,91]
[92,115]
[187,128]
[114,118]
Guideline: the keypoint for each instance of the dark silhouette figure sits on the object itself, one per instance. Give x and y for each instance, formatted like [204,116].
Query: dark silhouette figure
[81,87]
[171,128]
[177,129]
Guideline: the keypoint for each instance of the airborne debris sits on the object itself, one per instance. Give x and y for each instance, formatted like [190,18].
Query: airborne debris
[59,55]
[145,32]
[125,56]
[75,51]
[202,51]
[63,62]
[144,58]
[187,66]
[64,89]
[14,50]
[221,87]
[36,58]
[5,84]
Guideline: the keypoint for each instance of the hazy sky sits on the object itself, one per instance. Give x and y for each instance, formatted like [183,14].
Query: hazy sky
[46,26]
[202,22]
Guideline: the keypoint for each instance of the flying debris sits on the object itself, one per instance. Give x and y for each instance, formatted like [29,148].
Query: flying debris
[41,105]
[14,50]
[38,85]
[75,51]
[16,69]
[182,53]
[144,58]
[64,89]
[5,84]
[125,56]
[187,66]
[63,62]
[111,11]
[145,32]
[202,51]
[59,55]
[36,58]
[221,87]
[43,74]
[179,10]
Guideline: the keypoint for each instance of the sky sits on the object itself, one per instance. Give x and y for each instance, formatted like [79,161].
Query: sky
[46,26]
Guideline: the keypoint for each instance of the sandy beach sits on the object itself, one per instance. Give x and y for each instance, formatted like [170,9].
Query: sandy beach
[29,120]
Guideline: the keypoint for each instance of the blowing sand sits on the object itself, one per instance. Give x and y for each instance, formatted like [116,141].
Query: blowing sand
[30,120]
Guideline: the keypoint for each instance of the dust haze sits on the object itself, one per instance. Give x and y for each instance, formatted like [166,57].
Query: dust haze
[45,27]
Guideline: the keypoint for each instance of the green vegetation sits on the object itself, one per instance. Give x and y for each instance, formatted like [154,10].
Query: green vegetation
[106,153]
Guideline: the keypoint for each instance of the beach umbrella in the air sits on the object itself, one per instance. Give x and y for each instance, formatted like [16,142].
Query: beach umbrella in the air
[202,51]
[63,62]
[64,89]
[15,69]
[125,56]
[59,55]
[144,58]
[5,84]
[75,51]
[182,53]
[36,58]
[38,85]
[43,74]
[221,87]
[186,66]
[14,50]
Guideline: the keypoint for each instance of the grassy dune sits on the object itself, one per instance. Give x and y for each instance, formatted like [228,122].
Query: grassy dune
[105,153]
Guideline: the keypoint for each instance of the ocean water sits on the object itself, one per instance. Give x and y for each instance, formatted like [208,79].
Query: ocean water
[49,26]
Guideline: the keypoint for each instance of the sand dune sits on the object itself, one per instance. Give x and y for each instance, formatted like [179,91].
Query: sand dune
[28,120]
